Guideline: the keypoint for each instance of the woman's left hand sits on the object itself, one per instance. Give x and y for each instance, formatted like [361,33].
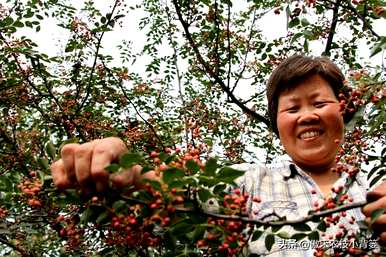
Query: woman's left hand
[376,200]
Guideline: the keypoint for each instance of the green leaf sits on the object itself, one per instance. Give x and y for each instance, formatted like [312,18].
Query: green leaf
[294,22]
[376,214]
[378,47]
[182,228]
[170,240]
[129,159]
[171,174]
[284,235]
[305,45]
[210,167]
[301,227]
[86,215]
[296,37]
[5,184]
[112,168]
[154,183]
[322,226]
[228,174]
[192,166]
[377,178]
[219,189]
[198,233]
[183,182]
[102,218]
[51,151]
[276,228]
[304,22]
[308,34]
[204,194]
[256,235]
[170,159]
[314,236]
[163,156]
[208,181]
[7,21]
[146,169]
[119,205]
[18,24]
[43,163]
[269,241]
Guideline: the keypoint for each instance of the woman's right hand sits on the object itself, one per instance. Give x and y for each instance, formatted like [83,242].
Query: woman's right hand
[83,165]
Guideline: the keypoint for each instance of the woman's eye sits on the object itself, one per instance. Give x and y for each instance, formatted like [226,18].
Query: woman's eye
[292,109]
[320,104]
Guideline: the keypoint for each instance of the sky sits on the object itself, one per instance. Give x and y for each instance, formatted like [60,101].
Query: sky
[52,38]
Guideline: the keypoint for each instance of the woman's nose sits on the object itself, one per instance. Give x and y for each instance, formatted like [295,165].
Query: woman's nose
[308,116]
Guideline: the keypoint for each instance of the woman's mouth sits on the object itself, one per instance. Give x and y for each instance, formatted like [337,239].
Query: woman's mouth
[309,134]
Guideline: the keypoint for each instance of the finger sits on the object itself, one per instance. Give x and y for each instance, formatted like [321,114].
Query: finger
[59,175]
[82,165]
[372,206]
[127,177]
[379,225]
[67,155]
[377,193]
[382,239]
[104,153]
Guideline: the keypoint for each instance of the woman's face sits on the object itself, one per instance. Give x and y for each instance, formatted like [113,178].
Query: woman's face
[310,124]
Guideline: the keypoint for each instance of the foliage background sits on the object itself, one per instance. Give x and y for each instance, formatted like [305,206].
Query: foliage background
[197,81]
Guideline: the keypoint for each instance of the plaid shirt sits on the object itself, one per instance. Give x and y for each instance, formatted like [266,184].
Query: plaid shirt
[291,192]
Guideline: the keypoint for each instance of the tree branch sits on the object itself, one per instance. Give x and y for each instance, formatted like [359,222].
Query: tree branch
[135,107]
[331,33]
[210,71]
[347,5]
[98,46]
[139,114]
[310,217]
[178,75]
[246,52]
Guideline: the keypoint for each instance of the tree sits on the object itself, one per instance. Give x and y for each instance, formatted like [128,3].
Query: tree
[187,115]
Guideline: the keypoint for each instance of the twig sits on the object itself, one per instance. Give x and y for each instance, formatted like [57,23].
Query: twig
[179,82]
[312,216]
[98,46]
[210,71]
[277,223]
[139,114]
[350,7]
[134,106]
[332,28]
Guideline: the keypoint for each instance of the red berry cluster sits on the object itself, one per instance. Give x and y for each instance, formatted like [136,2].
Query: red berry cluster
[229,236]
[70,230]
[229,240]
[30,188]
[352,153]
[134,227]
[130,231]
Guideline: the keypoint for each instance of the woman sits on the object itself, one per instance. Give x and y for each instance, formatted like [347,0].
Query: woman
[305,113]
